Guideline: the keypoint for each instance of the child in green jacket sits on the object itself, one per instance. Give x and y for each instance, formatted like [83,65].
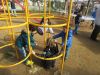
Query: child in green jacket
[22,41]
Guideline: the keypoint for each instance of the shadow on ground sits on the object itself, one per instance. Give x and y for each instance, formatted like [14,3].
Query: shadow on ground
[84,37]
[77,71]
[5,72]
[7,54]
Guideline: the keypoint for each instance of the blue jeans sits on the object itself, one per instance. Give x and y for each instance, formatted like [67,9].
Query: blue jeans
[67,52]
[22,52]
[76,28]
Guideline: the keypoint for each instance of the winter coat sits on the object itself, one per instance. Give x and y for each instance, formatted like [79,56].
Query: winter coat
[62,34]
[22,40]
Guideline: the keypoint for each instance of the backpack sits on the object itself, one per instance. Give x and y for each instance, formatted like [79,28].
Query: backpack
[49,52]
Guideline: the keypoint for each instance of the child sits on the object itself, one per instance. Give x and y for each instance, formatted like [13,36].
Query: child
[13,8]
[47,23]
[50,51]
[22,42]
[94,16]
[77,22]
[76,11]
[62,34]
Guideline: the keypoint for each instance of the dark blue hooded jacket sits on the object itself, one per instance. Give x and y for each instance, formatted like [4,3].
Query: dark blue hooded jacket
[62,35]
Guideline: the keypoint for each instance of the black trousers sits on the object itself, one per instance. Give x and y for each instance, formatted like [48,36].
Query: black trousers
[95,32]
[47,64]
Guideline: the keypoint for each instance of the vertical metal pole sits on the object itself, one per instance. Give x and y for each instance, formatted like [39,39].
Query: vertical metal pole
[27,20]
[67,29]
[6,15]
[44,22]
[10,20]
[12,32]
[49,6]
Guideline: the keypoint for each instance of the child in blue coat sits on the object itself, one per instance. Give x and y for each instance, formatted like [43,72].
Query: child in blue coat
[62,34]
[77,22]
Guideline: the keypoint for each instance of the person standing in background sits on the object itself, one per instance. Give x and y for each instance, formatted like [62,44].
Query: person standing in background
[13,8]
[82,8]
[94,16]
[97,24]
[77,22]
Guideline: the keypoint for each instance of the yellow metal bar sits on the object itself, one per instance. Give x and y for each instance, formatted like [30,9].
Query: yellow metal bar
[17,14]
[5,14]
[49,13]
[38,13]
[22,17]
[3,18]
[8,66]
[29,44]
[67,27]
[45,26]
[13,37]
[34,17]
[49,26]
[17,17]
[2,14]
[30,16]
[13,34]
[6,45]
[44,22]
[53,58]
[15,26]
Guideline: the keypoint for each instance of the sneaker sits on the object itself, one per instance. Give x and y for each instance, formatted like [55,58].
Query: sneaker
[29,63]
[12,14]
[15,15]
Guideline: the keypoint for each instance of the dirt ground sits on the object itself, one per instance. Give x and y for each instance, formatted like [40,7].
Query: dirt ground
[84,56]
